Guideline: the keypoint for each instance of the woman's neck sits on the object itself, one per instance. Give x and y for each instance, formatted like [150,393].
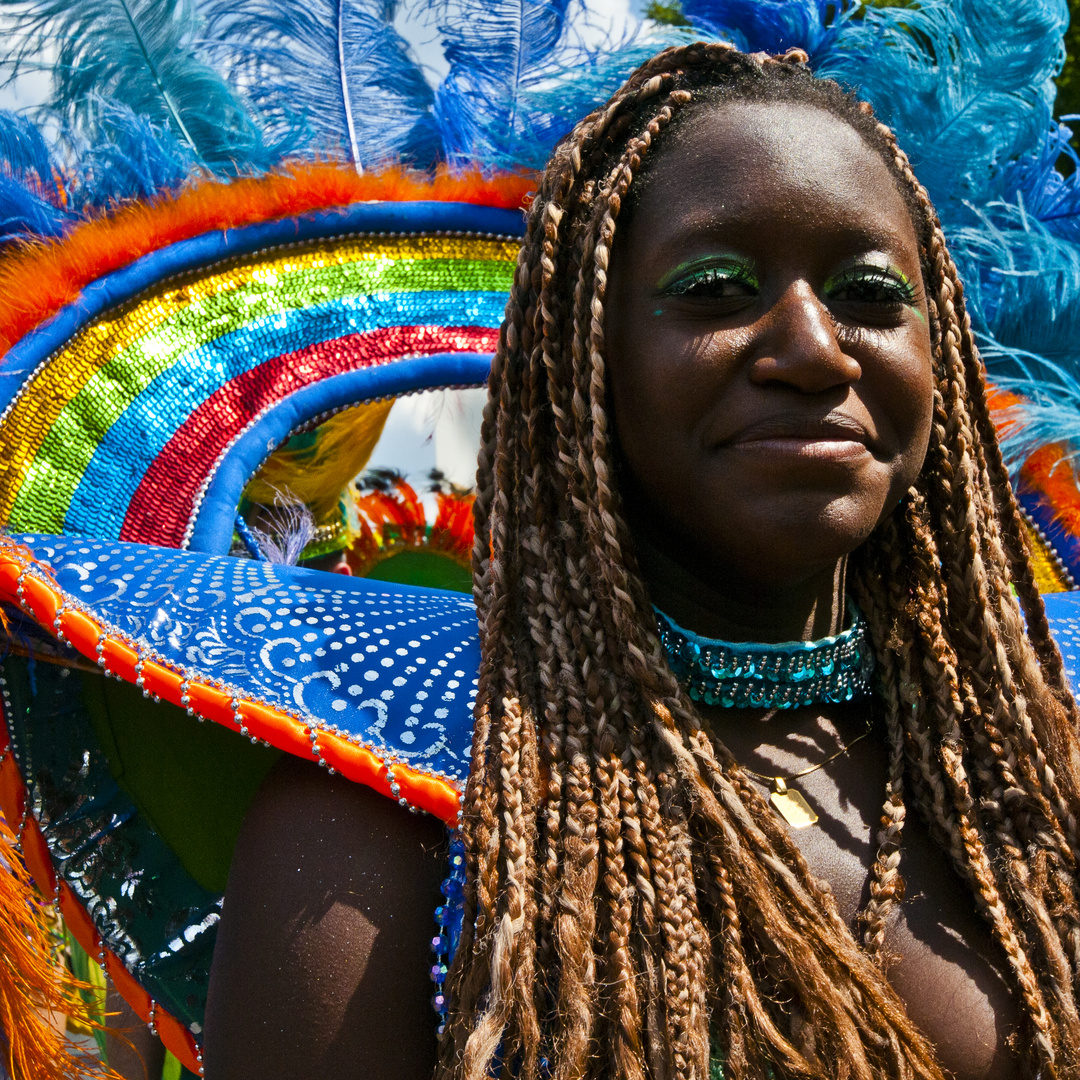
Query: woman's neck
[717,605]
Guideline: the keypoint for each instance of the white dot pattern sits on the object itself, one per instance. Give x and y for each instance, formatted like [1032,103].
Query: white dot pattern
[392,667]
[1063,611]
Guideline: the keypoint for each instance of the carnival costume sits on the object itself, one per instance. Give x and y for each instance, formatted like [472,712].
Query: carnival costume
[225,291]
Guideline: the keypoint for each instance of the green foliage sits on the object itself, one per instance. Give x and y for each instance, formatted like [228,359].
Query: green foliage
[1068,82]
[670,14]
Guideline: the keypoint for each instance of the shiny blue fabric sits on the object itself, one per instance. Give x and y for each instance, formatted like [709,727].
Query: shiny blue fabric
[149,911]
[390,666]
[1063,612]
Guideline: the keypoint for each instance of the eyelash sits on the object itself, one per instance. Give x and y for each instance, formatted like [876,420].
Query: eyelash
[897,289]
[708,282]
[704,281]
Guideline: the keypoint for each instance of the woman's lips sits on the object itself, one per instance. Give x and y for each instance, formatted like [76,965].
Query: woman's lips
[817,448]
[830,438]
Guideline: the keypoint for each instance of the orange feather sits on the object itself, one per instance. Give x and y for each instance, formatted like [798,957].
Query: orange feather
[34,984]
[38,278]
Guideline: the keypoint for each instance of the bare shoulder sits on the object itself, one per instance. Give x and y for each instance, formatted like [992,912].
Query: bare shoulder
[321,965]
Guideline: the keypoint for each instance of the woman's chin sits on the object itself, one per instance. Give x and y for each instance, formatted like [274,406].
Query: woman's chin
[786,545]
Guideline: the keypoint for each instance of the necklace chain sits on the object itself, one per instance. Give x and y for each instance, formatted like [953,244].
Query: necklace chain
[813,768]
[790,803]
[786,676]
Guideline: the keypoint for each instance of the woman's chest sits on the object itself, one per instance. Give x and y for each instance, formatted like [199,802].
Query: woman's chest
[943,961]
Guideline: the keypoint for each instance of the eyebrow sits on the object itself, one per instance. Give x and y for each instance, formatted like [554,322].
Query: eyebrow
[701,230]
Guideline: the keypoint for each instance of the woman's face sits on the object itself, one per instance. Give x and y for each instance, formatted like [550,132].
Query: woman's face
[767,344]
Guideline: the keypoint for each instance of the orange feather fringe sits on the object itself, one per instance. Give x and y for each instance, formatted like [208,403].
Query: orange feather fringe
[38,278]
[1053,478]
[1047,472]
[393,520]
[34,983]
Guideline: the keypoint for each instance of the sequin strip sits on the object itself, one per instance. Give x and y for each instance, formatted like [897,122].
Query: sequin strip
[167,352]
[136,438]
[785,676]
[1050,573]
[159,509]
[448,917]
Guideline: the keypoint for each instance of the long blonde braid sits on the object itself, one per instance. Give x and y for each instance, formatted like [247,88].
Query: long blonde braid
[628,888]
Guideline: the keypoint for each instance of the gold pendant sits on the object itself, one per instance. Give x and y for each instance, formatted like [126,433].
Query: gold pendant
[791,805]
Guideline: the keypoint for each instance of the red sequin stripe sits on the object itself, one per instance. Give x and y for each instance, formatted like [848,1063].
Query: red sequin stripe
[164,501]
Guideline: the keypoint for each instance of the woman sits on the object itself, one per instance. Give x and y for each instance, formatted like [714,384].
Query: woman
[735,381]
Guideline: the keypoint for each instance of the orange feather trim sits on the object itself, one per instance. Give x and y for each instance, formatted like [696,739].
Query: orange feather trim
[35,986]
[392,520]
[37,279]
[1048,472]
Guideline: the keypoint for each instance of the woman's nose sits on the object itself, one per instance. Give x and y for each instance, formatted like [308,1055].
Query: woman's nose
[797,345]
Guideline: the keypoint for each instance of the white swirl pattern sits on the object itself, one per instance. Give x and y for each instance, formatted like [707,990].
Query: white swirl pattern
[392,667]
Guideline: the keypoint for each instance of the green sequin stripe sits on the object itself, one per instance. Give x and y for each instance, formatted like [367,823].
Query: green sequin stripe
[74,437]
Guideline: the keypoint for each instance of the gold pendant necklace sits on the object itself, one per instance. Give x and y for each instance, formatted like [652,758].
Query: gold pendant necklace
[790,803]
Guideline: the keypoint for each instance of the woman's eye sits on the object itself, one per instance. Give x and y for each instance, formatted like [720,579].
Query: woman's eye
[871,285]
[722,282]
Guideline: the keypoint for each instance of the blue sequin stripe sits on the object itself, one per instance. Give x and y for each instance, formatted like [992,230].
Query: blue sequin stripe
[126,451]
[449,917]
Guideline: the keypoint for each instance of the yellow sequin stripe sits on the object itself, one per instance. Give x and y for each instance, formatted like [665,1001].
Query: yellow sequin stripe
[92,363]
[1049,573]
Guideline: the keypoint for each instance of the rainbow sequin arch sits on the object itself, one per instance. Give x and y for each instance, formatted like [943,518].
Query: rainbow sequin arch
[139,411]
[162,353]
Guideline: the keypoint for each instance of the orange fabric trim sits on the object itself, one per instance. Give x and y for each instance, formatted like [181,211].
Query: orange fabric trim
[36,280]
[256,719]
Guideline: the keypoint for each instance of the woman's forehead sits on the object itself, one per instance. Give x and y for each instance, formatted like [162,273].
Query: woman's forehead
[742,164]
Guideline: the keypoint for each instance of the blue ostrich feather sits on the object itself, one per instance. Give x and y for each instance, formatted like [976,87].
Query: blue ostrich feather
[967,85]
[24,213]
[141,54]
[772,26]
[124,156]
[1048,413]
[1022,287]
[573,83]
[1022,281]
[1037,183]
[498,50]
[30,200]
[24,151]
[115,157]
[331,76]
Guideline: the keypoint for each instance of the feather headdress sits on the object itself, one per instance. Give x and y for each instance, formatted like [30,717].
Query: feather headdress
[178,135]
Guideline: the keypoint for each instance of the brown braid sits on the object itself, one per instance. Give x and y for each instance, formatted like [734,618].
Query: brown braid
[629,892]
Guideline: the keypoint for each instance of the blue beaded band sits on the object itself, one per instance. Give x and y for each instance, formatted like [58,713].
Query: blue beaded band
[448,917]
[784,676]
[247,537]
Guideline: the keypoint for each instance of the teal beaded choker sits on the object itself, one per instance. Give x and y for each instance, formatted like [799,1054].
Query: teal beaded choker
[785,676]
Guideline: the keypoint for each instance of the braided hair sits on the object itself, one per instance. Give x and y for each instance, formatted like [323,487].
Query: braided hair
[630,895]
